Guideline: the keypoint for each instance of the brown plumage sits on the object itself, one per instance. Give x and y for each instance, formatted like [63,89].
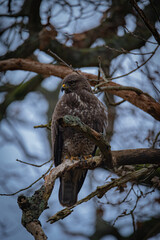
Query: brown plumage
[79,101]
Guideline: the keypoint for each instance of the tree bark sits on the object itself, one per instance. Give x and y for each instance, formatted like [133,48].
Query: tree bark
[32,207]
[141,100]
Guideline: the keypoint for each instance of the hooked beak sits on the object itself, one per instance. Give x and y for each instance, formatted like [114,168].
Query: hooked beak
[64,87]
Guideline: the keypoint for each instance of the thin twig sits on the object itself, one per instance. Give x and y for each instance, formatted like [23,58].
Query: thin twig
[138,67]
[122,50]
[126,74]
[23,189]
[128,193]
[138,36]
[34,165]
[62,61]
[155,140]
[112,103]
[43,126]
[152,29]
[124,214]
[101,70]
[122,201]
[155,9]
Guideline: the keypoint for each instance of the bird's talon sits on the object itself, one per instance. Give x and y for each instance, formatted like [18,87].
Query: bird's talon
[73,158]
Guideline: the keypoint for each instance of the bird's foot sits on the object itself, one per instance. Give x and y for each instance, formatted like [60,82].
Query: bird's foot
[73,158]
[87,156]
[84,158]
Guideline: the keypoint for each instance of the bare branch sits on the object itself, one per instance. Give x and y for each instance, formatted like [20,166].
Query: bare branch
[62,61]
[34,165]
[23,189]
[40,197]
[138,98]
[139,66]
[100,191]
[48,126]
[142,101]
[124,51]
[36,230]
[155,140]
[136,156]
[100,87]
[146,21]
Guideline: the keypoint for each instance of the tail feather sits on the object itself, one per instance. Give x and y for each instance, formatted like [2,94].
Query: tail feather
[67,193]
[70,185]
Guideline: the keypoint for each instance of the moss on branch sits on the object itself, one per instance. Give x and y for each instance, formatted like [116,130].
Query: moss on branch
[32,207]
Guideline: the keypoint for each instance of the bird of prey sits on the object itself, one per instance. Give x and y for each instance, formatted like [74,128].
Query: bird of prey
[78,100]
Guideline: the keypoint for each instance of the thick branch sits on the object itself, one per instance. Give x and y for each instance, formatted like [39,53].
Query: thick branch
[140,100]
[34,16]
[34,66]
[32,207]
[120,158]
[136,156]
[36,230]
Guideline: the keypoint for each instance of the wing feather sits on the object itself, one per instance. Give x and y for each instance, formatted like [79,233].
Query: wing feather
[58,146]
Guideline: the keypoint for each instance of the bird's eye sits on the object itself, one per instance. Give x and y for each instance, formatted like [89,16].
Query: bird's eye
[71,83]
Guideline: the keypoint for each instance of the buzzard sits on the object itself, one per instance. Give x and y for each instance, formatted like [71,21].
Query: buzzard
[78,100]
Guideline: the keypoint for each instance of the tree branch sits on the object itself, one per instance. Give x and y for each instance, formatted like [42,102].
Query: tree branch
[136,156]
[101,190]
[19,92]
[34,66]
[146,21]
[33,207]
[142,100]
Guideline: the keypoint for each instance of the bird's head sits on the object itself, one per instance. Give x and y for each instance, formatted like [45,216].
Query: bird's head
[75,82]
